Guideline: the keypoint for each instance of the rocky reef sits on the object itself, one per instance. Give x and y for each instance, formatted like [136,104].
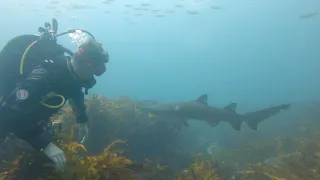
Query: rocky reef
[126,144]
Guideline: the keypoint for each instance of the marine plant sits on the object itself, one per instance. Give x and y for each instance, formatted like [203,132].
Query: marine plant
[104,156]
[100,157]
[107,165]
[200,170]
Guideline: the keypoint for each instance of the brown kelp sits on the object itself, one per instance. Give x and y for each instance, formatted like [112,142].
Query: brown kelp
[125,143]
[80,166]
[110,120]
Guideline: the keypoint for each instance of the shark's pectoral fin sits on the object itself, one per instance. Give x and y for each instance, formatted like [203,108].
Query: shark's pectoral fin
[184,122]
[236,124]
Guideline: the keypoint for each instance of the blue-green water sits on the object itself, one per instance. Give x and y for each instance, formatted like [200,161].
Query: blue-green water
[248,51]
[254,52]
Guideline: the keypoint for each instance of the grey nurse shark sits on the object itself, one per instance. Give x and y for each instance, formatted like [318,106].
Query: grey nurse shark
[200,110]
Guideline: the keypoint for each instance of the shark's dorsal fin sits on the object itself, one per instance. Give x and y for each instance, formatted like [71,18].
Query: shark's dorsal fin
[231,107]
[203,99]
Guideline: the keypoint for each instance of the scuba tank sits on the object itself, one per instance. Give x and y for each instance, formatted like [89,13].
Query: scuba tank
[22,53]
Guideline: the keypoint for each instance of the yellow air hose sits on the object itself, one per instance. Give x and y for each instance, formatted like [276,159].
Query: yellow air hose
[53,95]
[49,95]
[25,55]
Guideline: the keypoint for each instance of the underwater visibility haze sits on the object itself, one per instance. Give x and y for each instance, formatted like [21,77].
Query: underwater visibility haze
[180,73]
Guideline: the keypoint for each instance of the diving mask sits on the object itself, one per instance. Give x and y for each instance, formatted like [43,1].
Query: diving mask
[92,52]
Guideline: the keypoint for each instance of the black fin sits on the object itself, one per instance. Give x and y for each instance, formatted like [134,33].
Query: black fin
[236,124]
[231,107]
[254,118]
[203,99]
[253,125]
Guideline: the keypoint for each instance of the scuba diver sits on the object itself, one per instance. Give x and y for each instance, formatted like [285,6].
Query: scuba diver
[46,79]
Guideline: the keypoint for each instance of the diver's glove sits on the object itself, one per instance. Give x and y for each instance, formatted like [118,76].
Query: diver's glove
[56,155]
[83,132]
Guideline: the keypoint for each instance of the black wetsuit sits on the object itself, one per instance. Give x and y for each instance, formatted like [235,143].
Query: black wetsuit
[22,113]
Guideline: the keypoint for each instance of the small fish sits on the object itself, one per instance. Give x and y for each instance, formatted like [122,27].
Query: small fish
[159,16]
[141,9]
[215,7]
[144,4]
[309,15]
[51,7]
[192,12]
[54,2]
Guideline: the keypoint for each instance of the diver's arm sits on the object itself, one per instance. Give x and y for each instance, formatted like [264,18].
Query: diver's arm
[78,106]
[21,105]
[79,109]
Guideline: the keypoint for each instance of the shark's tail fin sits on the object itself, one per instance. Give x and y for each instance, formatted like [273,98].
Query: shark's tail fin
[254,118]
